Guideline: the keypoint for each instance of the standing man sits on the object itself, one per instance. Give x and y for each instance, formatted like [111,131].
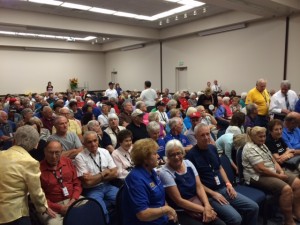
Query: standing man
[260,96]
[232,207]
[95,168]
[59,181]
[149,96]
[69,140]
[111,92]
[283,101]
[216,88]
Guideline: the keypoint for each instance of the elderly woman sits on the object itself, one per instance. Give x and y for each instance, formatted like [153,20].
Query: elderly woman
[103,138]
[187,120]
[236,125]
[153,129]
[20,175]
[103,118]
[251,114]
[279,148]
[113,129]
[175,113]
[142,106]
[182,185]
[154,116]
[262,171]
[147,206]
[27,114]
[121,155]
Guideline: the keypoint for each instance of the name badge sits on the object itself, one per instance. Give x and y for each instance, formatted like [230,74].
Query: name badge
[217,180]
[65,191]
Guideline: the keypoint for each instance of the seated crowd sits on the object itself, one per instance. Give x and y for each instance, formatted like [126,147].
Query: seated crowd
[162,151]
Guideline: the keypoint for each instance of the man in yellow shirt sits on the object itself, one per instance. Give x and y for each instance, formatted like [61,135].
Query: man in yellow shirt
[20,175]
[260,96]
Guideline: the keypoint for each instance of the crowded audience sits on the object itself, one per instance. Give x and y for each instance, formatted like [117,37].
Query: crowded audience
[162,149]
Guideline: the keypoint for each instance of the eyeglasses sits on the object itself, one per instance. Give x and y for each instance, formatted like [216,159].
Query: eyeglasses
[173,155]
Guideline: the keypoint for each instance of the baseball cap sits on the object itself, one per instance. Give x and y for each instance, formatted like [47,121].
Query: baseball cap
[137,112]
[195,115]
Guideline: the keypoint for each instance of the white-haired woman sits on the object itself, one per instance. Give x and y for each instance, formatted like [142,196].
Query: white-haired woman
[113,129]
[262,171]
[154,116]
[184,189]
[20,175]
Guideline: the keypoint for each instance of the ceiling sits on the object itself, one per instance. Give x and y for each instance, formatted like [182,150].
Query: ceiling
[29,17]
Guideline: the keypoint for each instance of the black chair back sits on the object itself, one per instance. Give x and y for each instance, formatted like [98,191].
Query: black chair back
[85,211]
[119,199]
[225,162]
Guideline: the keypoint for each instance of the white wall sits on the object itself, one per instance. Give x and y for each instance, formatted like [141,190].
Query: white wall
[134,67]
[236,58]
[29,71]
[293,69]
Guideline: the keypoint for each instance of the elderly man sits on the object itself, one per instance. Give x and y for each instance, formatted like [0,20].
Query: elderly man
[251,114]
[231,207]
[260,96]
[73,125]
[20,175]
[291,131]
[283,101]
[59,181]
[95,168]
[137,127]
[7,128]
[47,118]
[113,129]
[176,126]
[70,141]
[103,138]
[125,115]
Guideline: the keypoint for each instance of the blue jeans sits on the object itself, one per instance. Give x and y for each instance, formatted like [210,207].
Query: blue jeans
[239,210]
[105,194]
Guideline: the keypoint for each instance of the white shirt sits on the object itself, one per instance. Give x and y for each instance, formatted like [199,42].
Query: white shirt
[278,101]
[163,117]
[122,160]
[85,164]
[216,88]
[111,93]
[103,119]
[149,96]
[112,135]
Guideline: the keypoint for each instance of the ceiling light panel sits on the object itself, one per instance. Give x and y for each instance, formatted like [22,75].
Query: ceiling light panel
[75,6]
[100,10]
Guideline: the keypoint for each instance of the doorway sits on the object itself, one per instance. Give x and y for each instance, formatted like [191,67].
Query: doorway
[181,78]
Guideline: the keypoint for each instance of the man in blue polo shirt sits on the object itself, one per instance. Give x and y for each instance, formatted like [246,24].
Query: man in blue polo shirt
[176,126]
[232,207]
[291,131]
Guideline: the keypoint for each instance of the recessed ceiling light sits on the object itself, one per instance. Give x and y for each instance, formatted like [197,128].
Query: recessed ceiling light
[167,20]
[176,17]
[160,23]
[185,15]
[75,6]
[195,12]
[204,9]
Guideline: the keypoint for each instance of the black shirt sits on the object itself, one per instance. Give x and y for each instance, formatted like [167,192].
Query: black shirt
[138,132]
[276,146]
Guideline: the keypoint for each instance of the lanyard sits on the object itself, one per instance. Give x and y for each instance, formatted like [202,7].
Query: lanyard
[59,179]
[126,157]
[99,166]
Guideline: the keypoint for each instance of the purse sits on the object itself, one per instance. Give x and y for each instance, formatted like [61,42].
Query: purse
[195,215]
[293,163]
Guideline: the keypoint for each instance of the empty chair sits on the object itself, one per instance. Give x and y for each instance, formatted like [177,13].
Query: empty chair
[85,211]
